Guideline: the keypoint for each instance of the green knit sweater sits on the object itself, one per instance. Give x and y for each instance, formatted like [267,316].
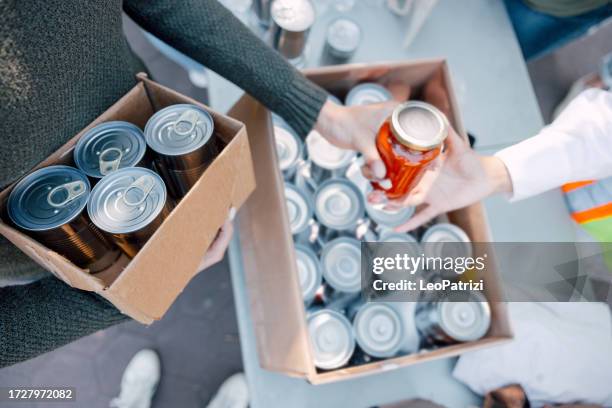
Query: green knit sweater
[62,63]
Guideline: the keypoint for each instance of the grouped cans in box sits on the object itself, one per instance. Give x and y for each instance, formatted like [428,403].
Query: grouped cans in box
[269,258]
[145,286]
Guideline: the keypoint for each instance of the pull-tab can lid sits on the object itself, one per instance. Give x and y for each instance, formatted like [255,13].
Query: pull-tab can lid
[339,204]
[367,93]
[465,320]
[299,208]
[108,147]
[289,147]
[343,36]
[389,218]
[179,129]
[341,263]
[309,271]
[331,336]
[127,200]
[293,15]
[419,125]
[48,198]
[446,240]
[326,155]
[378,330]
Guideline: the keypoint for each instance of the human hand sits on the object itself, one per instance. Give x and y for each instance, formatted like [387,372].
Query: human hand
[217,249]
[356,127]
[458,178]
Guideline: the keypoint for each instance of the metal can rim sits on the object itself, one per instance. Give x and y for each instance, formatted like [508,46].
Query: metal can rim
[414,143]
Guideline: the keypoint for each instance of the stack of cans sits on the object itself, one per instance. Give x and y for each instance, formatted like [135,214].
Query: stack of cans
[329,217]
[57,206]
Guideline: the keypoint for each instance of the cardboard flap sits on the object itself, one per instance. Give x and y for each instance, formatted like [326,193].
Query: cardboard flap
[279,319]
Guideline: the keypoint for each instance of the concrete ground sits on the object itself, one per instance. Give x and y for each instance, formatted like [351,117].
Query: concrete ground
[197,340]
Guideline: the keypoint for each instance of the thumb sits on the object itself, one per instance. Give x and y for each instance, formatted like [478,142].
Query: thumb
[373,161]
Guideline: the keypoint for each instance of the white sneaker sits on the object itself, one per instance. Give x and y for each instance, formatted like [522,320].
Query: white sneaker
[233,393]
[139,381]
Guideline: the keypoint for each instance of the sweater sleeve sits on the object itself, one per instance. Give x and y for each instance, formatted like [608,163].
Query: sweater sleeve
[577,146]
[210,34]
[47,314]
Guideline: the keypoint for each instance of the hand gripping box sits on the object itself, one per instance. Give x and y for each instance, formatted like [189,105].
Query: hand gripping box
[267,247]
[146,286]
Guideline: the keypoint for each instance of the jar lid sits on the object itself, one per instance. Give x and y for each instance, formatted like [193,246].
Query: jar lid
[419,125]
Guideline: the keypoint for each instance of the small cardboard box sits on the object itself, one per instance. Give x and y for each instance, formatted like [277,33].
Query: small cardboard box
[145,287]
[276,304]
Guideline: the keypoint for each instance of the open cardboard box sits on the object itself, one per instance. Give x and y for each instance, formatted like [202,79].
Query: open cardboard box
[146,286]
[275,299]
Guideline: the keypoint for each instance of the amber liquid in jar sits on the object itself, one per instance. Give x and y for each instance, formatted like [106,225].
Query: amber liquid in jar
[405,166]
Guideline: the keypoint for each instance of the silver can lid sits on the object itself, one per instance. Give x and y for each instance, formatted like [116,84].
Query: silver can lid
[338,204]
[465,321]
[378,330]
[367,93]
[331,335]
[392,236]
[108,147]
[299,208]
[326,155]
[389,218]
[127,200]
[437,237]
[334,99]
[288,147]
[179,129]
[48,198]
[343,35]
[293,15]
[419,125]
[309,271]
[341,264]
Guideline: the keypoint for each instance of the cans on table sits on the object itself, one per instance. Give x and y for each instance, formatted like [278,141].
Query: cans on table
[309,272]
[388,219]
[182,139]
[411,339]
[291,23]
[453,318]
[392,236]
[326,160]
[290,150]
[331,336]
[48,205]
[339,207]
[446,240]
[300,211]
[108,147]
[342,39]
[378,329]
[129,204]
[367,93]
[341,265]
[261,8]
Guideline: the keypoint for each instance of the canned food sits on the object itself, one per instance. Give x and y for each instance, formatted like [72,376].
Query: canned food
[341,265]
[309,272]
[446,240]
[392,236]
[48,205]
[331,335]
[408,143]
[452,319]
[291,23]
[108,147]
[334,99]
[299,209]
[181,136]
[388,218]
[378,329]
[327,160]
[342,39]
[367,93]
[289,149]
[129,204]
[411,338]
[339,205]
[261,8]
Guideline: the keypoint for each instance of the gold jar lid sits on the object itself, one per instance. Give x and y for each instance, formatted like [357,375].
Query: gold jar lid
[419,125]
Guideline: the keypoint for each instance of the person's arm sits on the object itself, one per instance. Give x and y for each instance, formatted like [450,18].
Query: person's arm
[210,34]
[576,146]
[48,314]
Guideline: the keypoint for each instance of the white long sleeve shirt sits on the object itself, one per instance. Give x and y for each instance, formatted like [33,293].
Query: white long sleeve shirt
[576,146]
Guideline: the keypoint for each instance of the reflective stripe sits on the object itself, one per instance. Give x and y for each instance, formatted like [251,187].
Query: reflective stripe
[590,196]
[593,214]
[566,188]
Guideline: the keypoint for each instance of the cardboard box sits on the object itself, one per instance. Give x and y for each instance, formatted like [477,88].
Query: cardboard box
[145,287]
[270,269]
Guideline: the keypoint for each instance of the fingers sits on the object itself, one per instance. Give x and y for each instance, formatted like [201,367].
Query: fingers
[217,249]
[455,142]
[399,90]
[419,218]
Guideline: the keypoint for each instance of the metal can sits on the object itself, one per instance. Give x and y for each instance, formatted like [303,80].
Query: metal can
[411,340]
[291,23]
[182,138]
[341,265]
[378,329]
[392,236]
[48,205]
[289,149]
[339,207]
[408,144]
[332,339]
[367,93]
[108,147]
[129,204]
[300,211]
[261,8]
[388,219]
[309,272]
[326,160]
[453,318]
[446,240]
[342,39]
